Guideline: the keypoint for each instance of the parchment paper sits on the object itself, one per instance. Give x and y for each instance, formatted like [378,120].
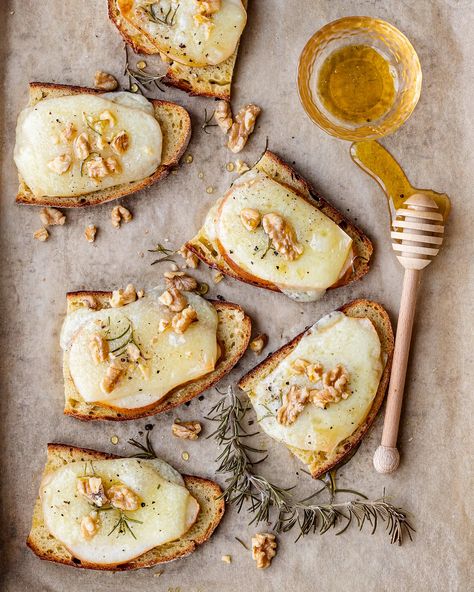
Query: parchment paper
[66,41]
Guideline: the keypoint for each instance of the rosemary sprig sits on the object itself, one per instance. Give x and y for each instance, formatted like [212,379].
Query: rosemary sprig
[144,80]
[122,525]
[168,18]
[268,502]
[207,122]
[167,253]
[269,248]
[147,450]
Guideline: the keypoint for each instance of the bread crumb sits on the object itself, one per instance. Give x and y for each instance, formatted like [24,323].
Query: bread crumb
[241,166]
[218,277]
[42,235]
[226,558]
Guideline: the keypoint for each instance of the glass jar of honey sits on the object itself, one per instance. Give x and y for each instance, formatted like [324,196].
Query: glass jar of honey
[359,78]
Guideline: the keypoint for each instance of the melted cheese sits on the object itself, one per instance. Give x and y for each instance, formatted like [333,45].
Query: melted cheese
[166,512]
[169,360]
[335,339]
[189,38]
[40,139]
[327,248]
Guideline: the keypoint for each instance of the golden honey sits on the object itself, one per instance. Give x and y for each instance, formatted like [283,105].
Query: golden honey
[375,160]
[356,84]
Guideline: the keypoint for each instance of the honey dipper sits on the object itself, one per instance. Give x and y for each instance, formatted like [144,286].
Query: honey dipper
[416,238]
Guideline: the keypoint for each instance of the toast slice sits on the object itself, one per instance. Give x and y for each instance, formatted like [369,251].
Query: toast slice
[176,127]
[207,81]
[233,333]
[280,171]
[319,462]
[206,492]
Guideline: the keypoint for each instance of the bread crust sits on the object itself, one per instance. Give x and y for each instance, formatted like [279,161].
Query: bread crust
[288,176]
[196,535]
[175,397]
[170,161]
[357,308]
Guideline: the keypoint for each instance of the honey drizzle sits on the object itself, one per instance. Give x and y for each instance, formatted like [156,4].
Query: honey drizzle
[377,162]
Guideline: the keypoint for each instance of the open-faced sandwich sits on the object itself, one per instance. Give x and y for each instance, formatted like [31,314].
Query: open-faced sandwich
[198,39]
[127,356]
[77,146]
[100,511]
[320,393]
[272,230]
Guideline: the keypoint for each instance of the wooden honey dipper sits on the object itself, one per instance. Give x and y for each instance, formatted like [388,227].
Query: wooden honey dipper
[416,238]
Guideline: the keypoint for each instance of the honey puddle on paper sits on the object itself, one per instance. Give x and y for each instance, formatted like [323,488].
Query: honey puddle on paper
[375,160]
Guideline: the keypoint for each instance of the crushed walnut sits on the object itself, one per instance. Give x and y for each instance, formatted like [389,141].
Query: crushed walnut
[242,127]
[294,402]
[258,343]
[120,143]
[122,297]
[314,371]
[90,233]
[264,548]
[223,116]
[250,218]
[42,234]
[241,166]
[60,164]
[115,371]
[209,7]
[123,498]
[163,325]
[96,168]
[186,430]
[90,525]
[52,217]
[133,352]
[108,118]
[181,321]
[105,81]
[68,132]
[191,259]
[120,214]
[180,281]
[93,490]
[99,348]
[81,146]
[282,235]
[173,299]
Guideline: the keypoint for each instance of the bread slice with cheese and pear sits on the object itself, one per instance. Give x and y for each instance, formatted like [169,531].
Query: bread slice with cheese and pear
[359,337]
[177,367]
[332,251]
[184,72]
[156,133]
[65,463]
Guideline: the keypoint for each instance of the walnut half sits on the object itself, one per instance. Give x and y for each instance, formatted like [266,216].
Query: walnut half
[335,387]
[52,217]
[93,490]
[122,297]
[282,235]
[181,321]
[264,549]
[90,525]
[294,402]
[223,116]
[120,214]
[99,348]
[123,498]
[242,127]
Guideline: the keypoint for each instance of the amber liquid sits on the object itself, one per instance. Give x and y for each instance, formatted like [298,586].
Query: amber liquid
[375,160]
[356,85]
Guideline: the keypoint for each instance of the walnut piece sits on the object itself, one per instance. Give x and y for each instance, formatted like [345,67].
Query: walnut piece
[121,297]
[163,325]
[186,430]
[241,166]
[92,489]
[264,548]
[52,217]
[108,118]
[96,168]
[282,235]
[81,146]
[123,498]
[60,164]
[181,321]
[68,132]
[314,372]
[120,143]
[174,299]
[293,404]
[112,164]
[90,525]
[258,343]
[105,81]
[42,234]
[191,259]
[242,127]
[115,371]
[223,116]
[335,387]
[99,348]
[209,7]
[120,214]
[250,218]
[90,233]
[133,352]
[180,281]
